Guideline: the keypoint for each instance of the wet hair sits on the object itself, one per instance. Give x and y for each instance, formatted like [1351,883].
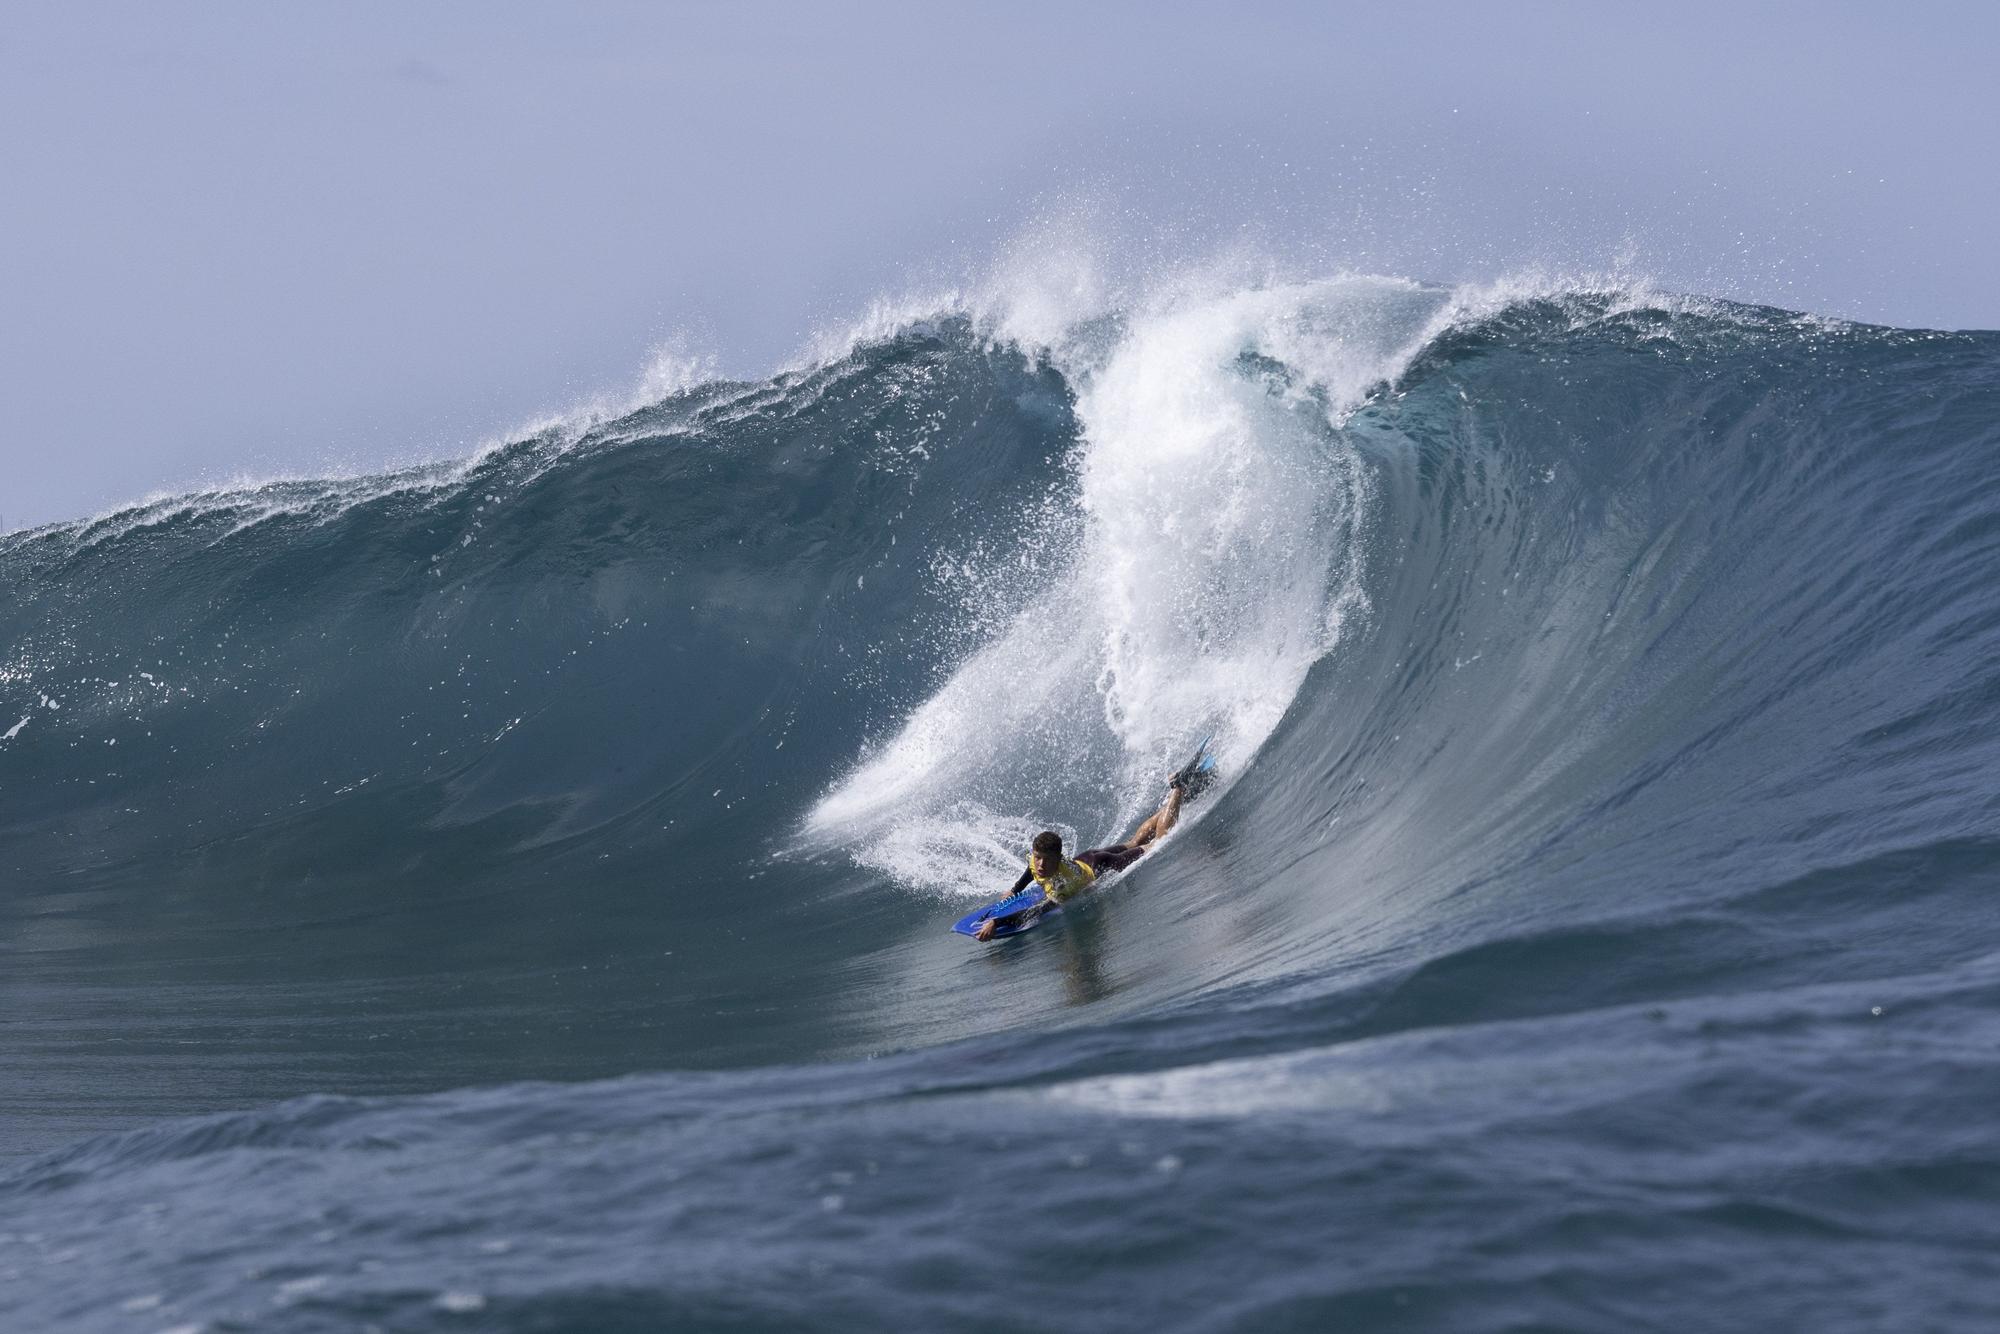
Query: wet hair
[1048,843]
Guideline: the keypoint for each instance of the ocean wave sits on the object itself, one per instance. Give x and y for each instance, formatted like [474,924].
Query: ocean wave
[1603,683]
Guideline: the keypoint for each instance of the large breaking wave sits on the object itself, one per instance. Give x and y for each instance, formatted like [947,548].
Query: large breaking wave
[1604,683]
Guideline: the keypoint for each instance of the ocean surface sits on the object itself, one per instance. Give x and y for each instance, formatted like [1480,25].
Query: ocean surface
[513,893]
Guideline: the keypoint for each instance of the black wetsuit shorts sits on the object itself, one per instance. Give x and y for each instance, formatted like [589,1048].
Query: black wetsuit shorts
[1114,858]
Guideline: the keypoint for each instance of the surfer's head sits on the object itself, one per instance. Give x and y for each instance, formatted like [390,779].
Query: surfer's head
[1046,850]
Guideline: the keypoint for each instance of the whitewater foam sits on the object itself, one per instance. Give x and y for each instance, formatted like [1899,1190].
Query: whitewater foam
[1213,557]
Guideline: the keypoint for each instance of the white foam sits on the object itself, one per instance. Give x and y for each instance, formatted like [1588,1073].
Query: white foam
[1212,559]
[674,366]
[1050,281]
[884,318]
[250,500]
[1318,1083]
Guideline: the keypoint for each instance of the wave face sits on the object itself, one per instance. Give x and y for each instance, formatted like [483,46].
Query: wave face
[1595,926]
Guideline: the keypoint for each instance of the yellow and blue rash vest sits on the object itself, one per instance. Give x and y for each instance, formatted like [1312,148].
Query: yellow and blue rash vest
[1070,879]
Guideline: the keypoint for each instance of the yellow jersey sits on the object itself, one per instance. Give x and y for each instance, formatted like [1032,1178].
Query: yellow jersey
[1069,879]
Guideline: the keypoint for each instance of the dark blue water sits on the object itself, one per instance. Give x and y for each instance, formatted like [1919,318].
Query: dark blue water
[514,894]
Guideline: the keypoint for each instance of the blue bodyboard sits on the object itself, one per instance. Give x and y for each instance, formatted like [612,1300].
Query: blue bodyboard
[1027,908]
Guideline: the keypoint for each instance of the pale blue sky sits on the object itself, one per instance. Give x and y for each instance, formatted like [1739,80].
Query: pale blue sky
[291,238]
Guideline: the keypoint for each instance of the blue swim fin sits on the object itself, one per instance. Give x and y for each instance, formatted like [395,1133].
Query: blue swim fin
[1198,774]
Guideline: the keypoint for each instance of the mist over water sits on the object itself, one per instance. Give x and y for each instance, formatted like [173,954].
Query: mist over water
[1593,926]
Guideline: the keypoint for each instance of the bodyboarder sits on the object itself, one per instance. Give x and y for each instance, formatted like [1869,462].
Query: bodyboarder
[1062,878]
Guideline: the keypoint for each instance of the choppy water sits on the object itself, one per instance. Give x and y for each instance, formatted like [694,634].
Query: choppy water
[512,894]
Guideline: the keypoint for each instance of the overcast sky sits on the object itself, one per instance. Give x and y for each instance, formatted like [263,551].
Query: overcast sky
[283,238]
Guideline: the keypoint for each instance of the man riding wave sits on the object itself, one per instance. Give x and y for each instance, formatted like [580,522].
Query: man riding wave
[1062,878]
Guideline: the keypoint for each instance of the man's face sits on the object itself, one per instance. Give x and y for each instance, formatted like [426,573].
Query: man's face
[1045,864]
